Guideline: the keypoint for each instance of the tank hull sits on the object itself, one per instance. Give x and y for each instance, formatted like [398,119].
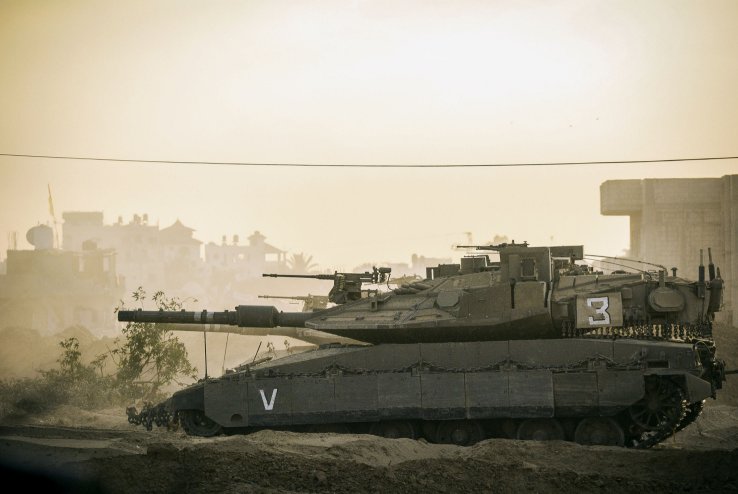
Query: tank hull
[493,384]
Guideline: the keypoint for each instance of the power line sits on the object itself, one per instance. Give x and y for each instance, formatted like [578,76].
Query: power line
[328,165]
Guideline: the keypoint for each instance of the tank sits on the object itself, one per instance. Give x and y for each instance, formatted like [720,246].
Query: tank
[514,341]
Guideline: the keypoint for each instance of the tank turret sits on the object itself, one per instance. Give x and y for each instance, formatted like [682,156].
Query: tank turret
[529,293]
[517,341]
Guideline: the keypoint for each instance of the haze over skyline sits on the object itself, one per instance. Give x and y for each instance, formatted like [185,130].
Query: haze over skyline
[364,82]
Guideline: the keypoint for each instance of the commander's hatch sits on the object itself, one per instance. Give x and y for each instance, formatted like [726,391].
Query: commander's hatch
[526,263]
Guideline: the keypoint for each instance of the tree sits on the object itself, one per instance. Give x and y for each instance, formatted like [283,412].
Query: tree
[150,357]
[300,263]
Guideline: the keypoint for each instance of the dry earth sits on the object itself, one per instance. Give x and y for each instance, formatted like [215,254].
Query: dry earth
[75,451]
[72,451]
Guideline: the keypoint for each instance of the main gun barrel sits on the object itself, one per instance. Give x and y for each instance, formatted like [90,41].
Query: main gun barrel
[258,316]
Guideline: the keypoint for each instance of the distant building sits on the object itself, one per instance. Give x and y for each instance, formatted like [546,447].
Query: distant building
[147,256]
[672,219]
[79,227]
[49,290]
[171,260]
[250,261]
[177,244]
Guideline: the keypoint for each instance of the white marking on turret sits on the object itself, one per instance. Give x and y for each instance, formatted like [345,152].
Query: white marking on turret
[600,311]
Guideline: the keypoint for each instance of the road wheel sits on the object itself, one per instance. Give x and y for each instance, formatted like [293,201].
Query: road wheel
[459,432]
[541,430]
[394,429]
[599,430]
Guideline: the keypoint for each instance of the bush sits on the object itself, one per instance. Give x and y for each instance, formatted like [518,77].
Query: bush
[151,357]
[71,384]
[24,396]
[146,359]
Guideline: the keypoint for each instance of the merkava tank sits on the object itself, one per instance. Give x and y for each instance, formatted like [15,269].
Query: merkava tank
[532,345]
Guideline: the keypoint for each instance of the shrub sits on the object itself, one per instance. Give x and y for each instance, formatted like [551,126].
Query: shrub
[150,357]
[147,358]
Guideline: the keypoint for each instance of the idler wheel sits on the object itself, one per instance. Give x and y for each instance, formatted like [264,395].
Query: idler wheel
[459,432]
[662,406]
[602,431]
[393,429]
[195,423]
[541,430]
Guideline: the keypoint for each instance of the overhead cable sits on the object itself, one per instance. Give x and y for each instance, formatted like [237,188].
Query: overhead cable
[358,165]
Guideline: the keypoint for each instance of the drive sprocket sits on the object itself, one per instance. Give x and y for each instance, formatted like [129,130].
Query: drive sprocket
[657,415]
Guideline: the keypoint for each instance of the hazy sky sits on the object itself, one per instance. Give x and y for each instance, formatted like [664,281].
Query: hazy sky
[363,82]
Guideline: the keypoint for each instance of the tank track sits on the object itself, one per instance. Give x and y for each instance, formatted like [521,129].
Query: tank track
[152,414]
[643,441]
[694,410]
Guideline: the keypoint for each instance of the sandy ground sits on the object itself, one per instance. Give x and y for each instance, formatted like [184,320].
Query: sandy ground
[71,450]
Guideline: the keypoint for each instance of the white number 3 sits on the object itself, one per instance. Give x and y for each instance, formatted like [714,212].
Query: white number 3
[603,318]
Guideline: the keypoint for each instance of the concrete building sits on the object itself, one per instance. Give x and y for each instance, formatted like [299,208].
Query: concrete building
[250,260]
[49,290]
[672,219]
[146,255]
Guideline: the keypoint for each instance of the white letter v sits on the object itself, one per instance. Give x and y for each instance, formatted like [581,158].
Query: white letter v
[270,405]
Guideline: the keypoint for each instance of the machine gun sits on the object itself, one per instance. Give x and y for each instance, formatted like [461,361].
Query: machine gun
[497,247]
[311,302]
[346,286]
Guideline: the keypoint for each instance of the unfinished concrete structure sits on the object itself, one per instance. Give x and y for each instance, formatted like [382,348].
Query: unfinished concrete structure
[672,219]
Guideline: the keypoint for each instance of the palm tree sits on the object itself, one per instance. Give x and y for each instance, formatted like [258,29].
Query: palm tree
[300,263]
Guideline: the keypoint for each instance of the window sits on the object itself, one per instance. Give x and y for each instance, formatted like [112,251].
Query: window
[528,269]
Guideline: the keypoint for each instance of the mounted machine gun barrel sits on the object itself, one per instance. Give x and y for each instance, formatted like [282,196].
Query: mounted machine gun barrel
[346,286]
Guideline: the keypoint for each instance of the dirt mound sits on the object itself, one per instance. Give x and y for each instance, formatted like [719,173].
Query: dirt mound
[117,457]
[285,463]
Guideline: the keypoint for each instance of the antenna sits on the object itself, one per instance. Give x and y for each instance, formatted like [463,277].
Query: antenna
[661,267]
[257,352]
[222,371]
[205,340]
